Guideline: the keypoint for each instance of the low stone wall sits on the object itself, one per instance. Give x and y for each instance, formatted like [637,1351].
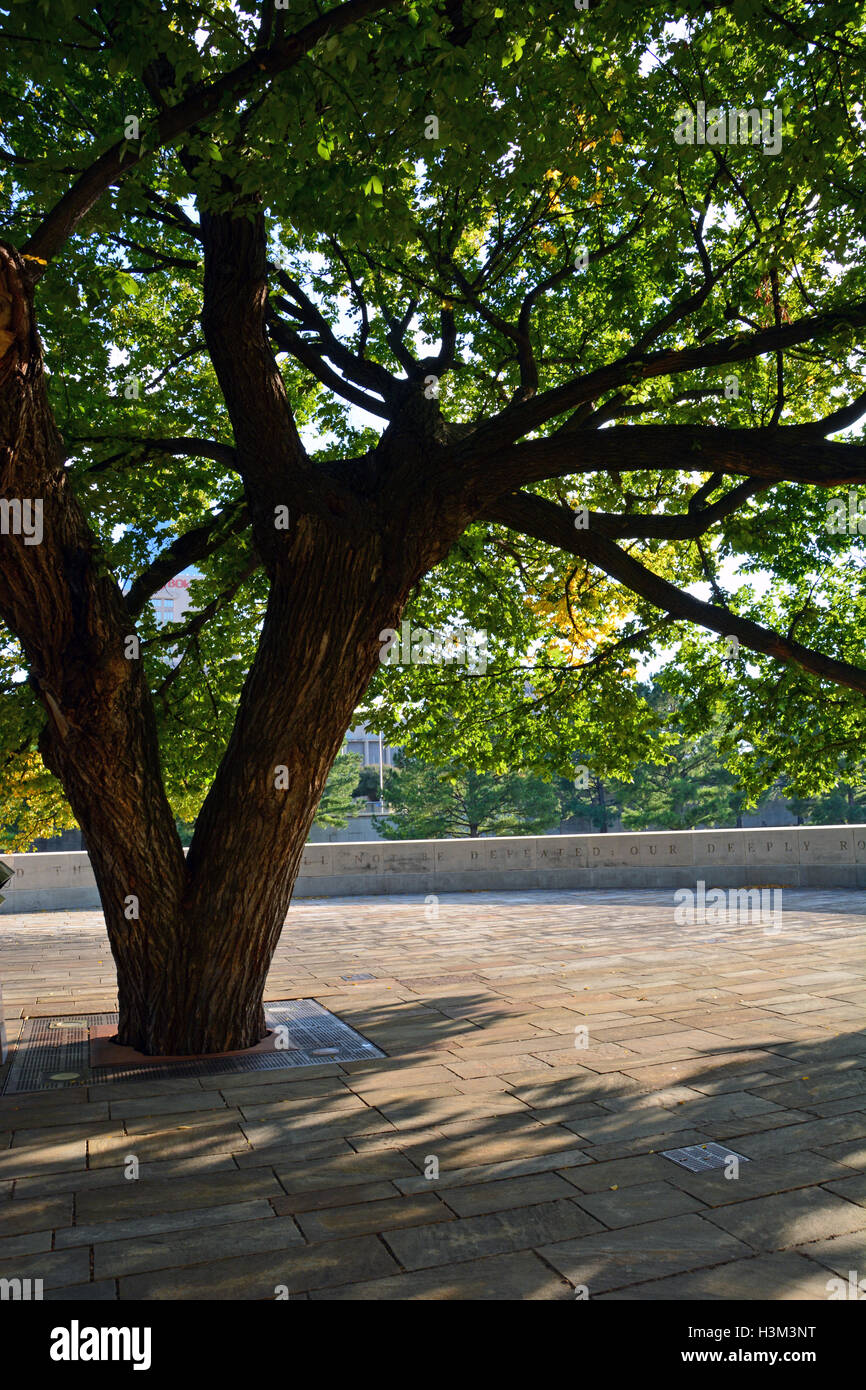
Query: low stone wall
[826,856]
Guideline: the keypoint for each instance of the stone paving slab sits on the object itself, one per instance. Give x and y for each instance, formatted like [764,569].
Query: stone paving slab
[787,1276]
[760,1178]
[197,1245]
[101,1291]
[93,1179]
[297,1269]
[839,1255]
[143,1198]
[500,1278]
[629,1206]
[487,1156]
[35,1215]
[638,1254]
[790,1218]
[27,1244]
[482,1198]
[853,1188]
[495,1172]
[330,1197]
[54,1267]
[500,1232]
[367,1216]
[120,1229]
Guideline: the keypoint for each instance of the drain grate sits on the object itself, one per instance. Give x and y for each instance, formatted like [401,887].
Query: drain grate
[53,1054]
[48,1055]
[700,1158]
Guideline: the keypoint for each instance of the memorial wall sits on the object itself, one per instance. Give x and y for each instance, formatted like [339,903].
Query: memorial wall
[826,856]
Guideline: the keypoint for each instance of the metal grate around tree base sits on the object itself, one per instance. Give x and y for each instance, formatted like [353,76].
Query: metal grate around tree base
[700,1158]
[54,1053]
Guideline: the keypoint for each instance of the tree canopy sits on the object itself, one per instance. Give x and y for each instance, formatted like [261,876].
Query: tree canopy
[483,209]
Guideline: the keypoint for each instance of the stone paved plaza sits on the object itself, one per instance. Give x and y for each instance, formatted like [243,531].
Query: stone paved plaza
[312,1180]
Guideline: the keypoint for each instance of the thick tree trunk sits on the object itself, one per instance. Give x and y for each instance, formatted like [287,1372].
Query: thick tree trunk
[193,939]
[61,602]
[314,662]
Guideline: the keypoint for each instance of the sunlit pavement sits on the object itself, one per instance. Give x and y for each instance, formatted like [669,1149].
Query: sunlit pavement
[543,1049]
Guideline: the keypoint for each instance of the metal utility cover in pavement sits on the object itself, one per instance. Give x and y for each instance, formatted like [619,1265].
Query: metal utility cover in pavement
[53,1053]
[357,977]
[700,1158]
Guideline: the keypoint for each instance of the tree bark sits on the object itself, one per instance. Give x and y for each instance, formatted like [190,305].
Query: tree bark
[193,939]
[67,611]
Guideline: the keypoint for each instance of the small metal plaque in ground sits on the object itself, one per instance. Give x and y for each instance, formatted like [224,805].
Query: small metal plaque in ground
[700,1158]
[357,977]
[53,1053]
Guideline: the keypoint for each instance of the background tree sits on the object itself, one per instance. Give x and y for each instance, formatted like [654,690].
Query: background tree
[692,790]
[338,799]
[429,802]
[354,308]
[842,804]
[596,801]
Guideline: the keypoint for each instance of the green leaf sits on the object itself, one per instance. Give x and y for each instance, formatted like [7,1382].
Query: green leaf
[127,284]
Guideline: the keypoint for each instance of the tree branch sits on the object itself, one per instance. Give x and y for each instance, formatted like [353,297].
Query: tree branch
[141,448]
[271,458]
[286,339]
[201,103]
[545,521]
[365,374]
[676,527]
[524,416]
[789,453]
[186,550]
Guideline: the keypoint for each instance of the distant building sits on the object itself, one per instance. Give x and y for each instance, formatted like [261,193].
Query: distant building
[377,755]
[370,748]
[172,600]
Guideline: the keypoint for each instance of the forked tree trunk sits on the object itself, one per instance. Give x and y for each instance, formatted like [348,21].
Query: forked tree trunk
[194,979]
[193,939]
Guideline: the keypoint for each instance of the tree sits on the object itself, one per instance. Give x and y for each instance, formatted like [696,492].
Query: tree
[694,789]
[688,786]
[337,803]
[395,307]
[437,802]
[589,798]
[843,806]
